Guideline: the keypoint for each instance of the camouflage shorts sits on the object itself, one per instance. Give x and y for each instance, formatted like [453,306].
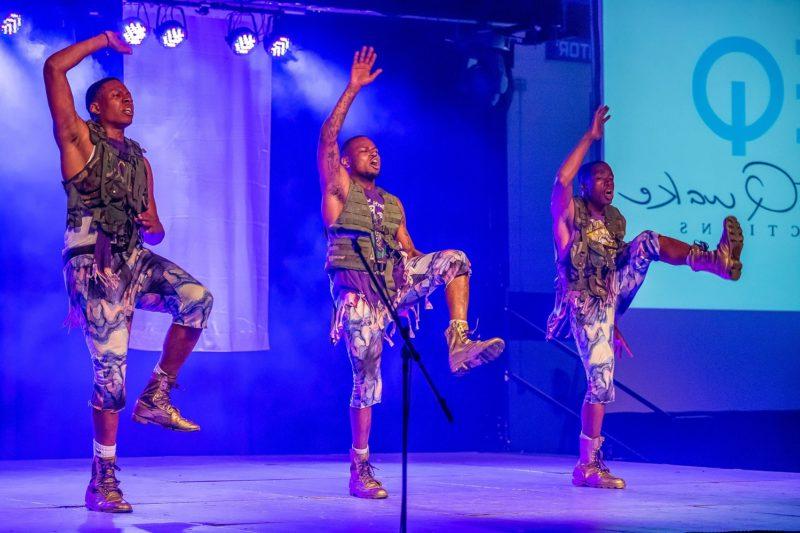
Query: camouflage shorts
[363,325]
[147,281]
[592,320]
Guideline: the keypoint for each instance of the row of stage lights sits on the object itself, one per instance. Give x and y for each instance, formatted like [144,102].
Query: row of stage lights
[244,33]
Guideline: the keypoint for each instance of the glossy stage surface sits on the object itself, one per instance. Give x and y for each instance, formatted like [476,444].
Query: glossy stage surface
[447,492]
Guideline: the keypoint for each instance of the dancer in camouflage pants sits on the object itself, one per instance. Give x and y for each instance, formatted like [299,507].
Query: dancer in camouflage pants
[147,281]
[364,325]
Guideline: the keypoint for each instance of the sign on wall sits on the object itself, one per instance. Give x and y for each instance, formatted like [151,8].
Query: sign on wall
[705,99]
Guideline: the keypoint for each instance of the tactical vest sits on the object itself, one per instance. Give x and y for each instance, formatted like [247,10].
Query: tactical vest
[590,264]
[355,223]
[112,188]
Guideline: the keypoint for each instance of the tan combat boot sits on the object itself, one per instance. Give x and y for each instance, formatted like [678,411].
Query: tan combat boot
[103,493]
[465,353]
[725,260]
[154,406]
[362,478]
[591,471]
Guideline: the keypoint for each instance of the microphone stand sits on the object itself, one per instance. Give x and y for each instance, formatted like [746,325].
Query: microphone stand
[410,353]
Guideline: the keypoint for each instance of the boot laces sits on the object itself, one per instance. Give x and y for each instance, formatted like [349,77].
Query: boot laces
[108,482]
[601,465]
[366,473]
[466,335]
[162,396]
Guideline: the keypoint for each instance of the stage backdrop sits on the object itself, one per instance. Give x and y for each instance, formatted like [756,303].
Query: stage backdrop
[203,115]
[705,99]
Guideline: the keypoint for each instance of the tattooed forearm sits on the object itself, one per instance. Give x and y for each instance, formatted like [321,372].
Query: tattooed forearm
[328,150]
[333,124]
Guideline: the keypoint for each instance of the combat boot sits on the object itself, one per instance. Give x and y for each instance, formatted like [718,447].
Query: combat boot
[362,478]
[465,353]
[591,471]
[103,493]
[725,261]
[155,407]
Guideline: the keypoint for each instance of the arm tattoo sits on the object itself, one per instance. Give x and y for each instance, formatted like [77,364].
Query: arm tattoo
[328,150]
[333,125]
[332,160]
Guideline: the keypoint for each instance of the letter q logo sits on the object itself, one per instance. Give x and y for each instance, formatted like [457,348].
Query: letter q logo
[738,131]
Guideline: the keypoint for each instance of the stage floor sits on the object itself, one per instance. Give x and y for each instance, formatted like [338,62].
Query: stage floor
[447,492]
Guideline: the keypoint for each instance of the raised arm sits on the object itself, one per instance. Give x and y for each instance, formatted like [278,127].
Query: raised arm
[333,176]
[561,205]
[69,130]
[67,125]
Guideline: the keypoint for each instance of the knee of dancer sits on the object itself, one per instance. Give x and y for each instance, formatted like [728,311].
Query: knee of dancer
[196,304]
[460,258]
[108,367]
[108,398]
[600,395]
[366,392]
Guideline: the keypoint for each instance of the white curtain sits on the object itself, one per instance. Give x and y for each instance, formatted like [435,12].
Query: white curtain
[203,116]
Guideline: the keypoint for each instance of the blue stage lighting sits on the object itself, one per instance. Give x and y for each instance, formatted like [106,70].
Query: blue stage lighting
[243,33]
[134,30]
[171,33]
[242,40]
[169,30]
[12,23]
[280,47]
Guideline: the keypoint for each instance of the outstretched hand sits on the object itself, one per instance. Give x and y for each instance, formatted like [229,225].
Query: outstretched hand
[115,42]
[360,72]
[601,116]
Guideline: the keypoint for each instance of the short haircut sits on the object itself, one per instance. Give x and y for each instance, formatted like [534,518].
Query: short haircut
[91,92]
[350,141]
[585,172]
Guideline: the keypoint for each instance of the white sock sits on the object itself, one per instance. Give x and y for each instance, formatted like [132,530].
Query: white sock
[361,451]
[584,436]
[456,322]
[103,451]
[159,372]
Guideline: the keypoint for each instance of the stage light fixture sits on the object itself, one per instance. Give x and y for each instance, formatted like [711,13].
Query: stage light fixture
[242,41]
[276,44]
[241,38]
[12,23]
[170,31]
[489,59]
[134,30]
[280,47]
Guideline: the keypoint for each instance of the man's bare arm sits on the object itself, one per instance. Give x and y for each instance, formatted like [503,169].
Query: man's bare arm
[404,238]
[152,231]
[330,169]
[561,205]
[328,157]
[67,125]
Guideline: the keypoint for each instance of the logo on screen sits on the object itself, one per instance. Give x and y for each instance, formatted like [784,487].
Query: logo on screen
[738,131]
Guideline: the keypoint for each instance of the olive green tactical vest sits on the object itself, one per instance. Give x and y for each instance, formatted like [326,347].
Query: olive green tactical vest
[112,188]
[356,221]
[590,264]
